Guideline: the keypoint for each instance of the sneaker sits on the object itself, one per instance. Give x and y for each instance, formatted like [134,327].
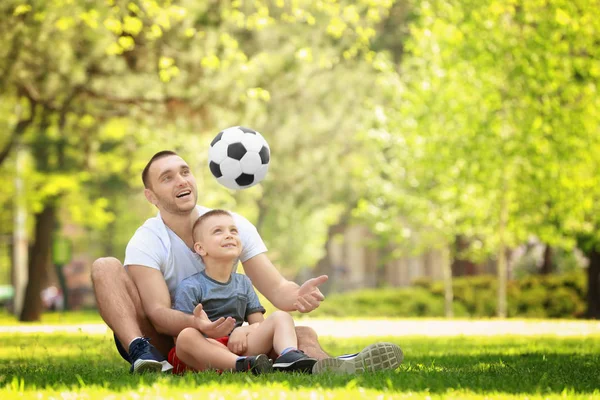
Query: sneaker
[259,364]
[294,360]
[145,358]
[376,357]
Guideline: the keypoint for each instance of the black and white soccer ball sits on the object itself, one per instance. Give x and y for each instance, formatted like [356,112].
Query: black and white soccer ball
[239,157]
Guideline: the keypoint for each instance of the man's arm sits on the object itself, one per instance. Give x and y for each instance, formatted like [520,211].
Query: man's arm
[283,294]
[156,302]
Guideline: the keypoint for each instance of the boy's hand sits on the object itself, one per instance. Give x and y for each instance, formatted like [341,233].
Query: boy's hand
[216,329]
[309,295]
[238,341]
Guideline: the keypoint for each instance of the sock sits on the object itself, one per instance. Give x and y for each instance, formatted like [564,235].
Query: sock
[287,349]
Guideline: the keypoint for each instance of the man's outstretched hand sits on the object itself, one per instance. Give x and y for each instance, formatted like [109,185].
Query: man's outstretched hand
[215,329]
[309,295]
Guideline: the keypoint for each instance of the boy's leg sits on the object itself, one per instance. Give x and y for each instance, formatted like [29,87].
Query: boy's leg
[201,353]
[120,305]
[277,332]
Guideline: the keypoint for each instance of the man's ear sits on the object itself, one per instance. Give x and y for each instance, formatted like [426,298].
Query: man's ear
[199,249]
[150,196]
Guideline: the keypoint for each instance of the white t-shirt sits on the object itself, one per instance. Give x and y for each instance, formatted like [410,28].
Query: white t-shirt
[156,246]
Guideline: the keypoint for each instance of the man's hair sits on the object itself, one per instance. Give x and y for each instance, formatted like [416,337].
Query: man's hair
[202,219]
[157,156]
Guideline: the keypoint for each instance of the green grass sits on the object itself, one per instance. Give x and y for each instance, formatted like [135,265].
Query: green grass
[78,365]
[57,318]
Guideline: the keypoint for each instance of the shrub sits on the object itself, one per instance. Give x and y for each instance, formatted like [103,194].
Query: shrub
[550,296]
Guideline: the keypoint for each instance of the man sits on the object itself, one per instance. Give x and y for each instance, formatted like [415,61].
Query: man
[135,302]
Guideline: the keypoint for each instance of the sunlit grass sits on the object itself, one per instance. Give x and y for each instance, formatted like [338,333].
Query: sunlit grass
[57,318]
[79,365]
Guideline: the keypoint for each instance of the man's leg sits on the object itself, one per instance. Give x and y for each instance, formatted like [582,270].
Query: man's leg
[120,305]
[376,357]
[308,342]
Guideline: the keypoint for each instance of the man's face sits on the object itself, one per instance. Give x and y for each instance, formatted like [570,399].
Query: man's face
[219,238]
[172,186]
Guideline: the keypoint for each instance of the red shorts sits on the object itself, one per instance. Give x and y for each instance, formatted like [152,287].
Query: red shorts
[179,366]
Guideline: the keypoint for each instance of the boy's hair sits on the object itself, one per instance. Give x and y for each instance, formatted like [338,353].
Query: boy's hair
[201,219]
[157,156]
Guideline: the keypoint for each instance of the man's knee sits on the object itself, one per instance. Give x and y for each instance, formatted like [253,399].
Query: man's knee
[306,334]
[105,268]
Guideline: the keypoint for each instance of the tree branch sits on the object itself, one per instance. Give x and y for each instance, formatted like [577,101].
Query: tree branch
[18,131]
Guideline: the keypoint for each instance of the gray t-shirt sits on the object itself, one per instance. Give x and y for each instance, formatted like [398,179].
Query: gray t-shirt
[236,298]
[154,245]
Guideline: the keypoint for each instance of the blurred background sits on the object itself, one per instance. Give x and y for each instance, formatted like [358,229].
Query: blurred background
[434,158]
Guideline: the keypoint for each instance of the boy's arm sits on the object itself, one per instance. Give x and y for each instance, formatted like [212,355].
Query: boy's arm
[255,319]
[156,303]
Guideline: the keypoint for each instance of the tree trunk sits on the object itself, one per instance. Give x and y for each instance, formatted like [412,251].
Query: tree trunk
[44,226]
[448,290]
[547,262]
[324,265]
[593,293]
[461,266]
[502,263]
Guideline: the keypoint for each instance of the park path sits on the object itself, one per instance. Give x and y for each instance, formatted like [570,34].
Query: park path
[362,328]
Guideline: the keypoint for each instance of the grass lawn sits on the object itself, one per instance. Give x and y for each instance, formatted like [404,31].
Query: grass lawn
[83,366]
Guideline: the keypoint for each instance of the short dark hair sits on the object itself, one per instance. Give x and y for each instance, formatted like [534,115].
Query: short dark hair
[157,156]
[201,219]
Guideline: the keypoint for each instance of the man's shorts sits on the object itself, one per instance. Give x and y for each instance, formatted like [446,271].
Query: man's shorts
[179,366]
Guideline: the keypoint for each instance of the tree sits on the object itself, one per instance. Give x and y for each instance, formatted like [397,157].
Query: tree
[491,119]
[94,86]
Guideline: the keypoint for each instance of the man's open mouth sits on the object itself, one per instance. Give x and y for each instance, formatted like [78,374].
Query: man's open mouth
[183,194]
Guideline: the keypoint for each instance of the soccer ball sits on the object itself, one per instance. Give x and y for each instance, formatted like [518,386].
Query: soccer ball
[239,157]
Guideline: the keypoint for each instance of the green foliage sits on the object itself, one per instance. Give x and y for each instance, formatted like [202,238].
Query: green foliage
[560,296]
[384,303]
[494,104]
[99,88]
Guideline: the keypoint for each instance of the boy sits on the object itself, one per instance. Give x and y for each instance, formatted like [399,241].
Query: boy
[222,294]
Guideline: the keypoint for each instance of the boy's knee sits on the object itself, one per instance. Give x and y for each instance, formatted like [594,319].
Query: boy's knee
[105,268]
[281,315]
[185,339]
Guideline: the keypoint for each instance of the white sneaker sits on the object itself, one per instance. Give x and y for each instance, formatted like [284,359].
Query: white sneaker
[376,357]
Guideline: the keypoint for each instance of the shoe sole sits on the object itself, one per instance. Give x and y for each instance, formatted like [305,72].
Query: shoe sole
[304,365]
[141,366]
[166,367]
[262,365]
[376,357]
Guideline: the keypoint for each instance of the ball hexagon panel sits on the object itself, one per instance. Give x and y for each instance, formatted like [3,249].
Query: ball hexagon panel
[232,135]
[253,142]
[250,163]
[261,173]
[218,152]
[230,168]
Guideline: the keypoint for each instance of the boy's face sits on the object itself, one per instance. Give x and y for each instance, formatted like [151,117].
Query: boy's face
[218,237]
